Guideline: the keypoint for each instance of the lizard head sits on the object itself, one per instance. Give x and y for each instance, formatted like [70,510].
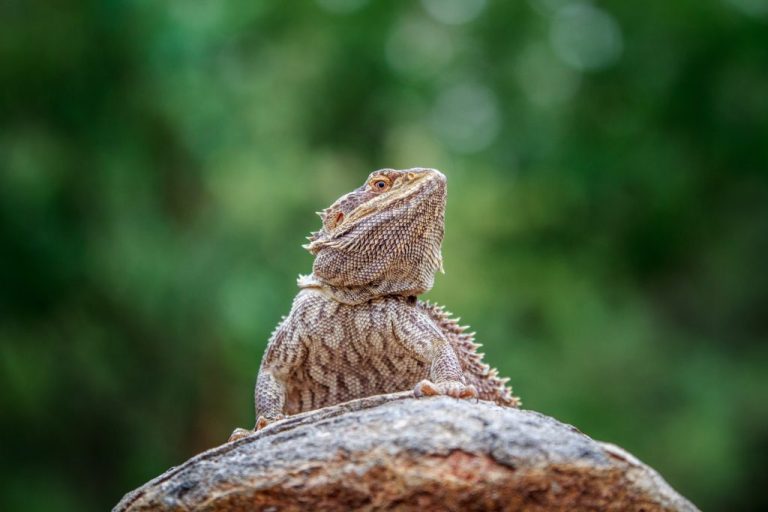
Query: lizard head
[383,238]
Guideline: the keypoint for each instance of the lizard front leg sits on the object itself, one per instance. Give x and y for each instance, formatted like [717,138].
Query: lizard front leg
[446,377]
[269,396]
[424,340]
[285,352]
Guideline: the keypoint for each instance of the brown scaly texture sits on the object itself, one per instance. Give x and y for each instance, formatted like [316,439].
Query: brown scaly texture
[356,328]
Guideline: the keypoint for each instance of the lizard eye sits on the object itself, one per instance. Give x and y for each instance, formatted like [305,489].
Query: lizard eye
[380,184]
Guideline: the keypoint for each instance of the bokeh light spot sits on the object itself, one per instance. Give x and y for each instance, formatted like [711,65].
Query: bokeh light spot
[544,79]
[454,12]
[750,7]
[547,6]
[585,37]
[466,117]
[341,6]
[418,48]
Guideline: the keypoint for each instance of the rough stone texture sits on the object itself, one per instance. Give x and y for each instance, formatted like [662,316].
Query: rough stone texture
[397,452]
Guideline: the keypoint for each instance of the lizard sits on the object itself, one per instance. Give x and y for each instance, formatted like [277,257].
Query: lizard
[357,328]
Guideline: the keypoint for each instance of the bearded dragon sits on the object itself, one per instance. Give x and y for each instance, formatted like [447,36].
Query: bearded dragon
[356,327]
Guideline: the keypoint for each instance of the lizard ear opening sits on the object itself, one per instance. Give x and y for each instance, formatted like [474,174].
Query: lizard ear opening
[334,220]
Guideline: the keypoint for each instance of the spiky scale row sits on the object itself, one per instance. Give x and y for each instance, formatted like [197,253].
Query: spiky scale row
[489,385]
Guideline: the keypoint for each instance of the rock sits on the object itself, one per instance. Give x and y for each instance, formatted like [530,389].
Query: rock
[398,452]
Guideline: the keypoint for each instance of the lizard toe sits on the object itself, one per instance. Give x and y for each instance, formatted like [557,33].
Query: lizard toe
[469,391]
[263,421]
[453,389]
[239,433]
[458,390]
[426,388]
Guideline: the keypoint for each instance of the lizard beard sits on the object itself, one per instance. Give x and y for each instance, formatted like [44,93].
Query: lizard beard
[395,251]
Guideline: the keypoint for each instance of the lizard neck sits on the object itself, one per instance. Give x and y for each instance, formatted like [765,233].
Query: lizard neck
[359,294]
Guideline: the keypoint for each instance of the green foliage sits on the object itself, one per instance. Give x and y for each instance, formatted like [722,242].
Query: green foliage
[607,224]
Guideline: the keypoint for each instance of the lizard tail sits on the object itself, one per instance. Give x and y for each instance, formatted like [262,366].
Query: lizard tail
[486,379]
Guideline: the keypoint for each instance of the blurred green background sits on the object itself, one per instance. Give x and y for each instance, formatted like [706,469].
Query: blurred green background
[160,163]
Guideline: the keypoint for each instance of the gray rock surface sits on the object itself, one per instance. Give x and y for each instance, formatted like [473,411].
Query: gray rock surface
[397,452]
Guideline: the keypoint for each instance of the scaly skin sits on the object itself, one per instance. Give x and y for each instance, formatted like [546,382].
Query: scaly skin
[356,328]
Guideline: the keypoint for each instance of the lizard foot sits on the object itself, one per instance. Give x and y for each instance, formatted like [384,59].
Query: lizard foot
[239,433]
[263,421]
[449,388]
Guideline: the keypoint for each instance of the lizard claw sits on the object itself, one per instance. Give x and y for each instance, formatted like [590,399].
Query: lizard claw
[239,433]
[451,388]
[263,421]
